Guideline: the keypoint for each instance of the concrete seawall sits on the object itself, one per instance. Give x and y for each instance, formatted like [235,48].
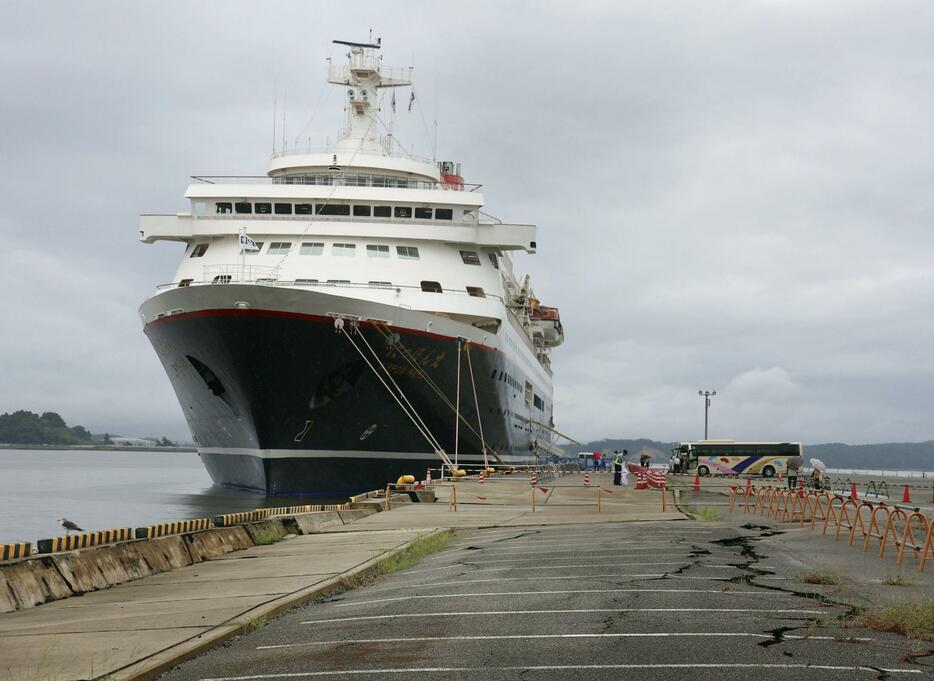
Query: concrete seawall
[42,579]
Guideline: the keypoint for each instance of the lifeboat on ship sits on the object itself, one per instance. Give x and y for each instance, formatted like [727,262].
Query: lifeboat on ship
[451,176]
[546,324]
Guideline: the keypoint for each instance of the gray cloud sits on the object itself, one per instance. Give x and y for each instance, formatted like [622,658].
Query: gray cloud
[729,195]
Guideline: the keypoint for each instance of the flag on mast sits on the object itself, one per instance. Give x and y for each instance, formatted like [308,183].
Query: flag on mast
[412,99]
[246,243]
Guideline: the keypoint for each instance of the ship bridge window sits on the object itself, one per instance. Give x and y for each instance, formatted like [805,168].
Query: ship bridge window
[335,282]
[283,209]
[362,211]
[312,248]
[222,279]
[279,248]
[185,282]
[199,250]
[539,403]
[243,207]
[377,251]
[407,252]
[306,281]
[223,207]
[403,212]
[431,287]
[382,211]
[259,247]
[476,292]
[262,207]
[344,249]
[470,258]
[443,214]
[528,393]
[304,209]
[380,284]
[494,260]
[333,209]
[423,213]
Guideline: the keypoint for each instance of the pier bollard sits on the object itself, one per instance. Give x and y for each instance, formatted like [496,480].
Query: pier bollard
[533,499]
[388,498]
[452,499]
[598,498]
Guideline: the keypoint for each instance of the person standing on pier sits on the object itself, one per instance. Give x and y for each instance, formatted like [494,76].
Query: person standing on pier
[618,469]
[597,456]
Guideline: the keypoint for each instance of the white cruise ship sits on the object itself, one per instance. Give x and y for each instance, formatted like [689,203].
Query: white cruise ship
[352,315]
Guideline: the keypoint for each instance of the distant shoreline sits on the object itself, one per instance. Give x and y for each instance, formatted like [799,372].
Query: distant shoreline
[99,448]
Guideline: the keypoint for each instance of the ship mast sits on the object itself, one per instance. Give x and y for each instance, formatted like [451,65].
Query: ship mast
[363,77]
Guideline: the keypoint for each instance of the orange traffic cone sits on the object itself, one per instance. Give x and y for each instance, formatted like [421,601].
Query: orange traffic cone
[853,491]
[697,482]
[779,476]
[586,479]
[906,497]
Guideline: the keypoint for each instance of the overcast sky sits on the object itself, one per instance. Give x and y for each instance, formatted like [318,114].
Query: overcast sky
[730,195]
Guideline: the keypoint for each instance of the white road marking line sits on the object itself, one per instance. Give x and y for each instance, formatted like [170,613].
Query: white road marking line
[566,667]
[539,560]
[516,637]
[485,613]
[555,567]
[729,592]
[571,546]
[549,578]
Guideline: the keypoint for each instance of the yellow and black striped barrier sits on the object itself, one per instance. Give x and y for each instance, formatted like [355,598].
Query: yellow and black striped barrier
[82,541]
[229,519]
[178,527]
[286,510]
[17,550]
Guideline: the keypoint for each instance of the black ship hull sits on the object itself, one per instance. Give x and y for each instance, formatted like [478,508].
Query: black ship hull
[282,404]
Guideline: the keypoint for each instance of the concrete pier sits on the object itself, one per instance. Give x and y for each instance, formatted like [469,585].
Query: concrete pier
[566,591]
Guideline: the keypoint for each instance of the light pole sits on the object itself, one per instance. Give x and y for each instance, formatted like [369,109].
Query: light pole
[706,394]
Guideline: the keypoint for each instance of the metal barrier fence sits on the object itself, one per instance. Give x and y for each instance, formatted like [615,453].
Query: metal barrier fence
[898,525]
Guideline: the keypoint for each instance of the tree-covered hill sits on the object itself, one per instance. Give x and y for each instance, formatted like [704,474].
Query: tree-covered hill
[27,428]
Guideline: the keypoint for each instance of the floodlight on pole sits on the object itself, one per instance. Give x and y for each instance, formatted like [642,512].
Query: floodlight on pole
[706,394]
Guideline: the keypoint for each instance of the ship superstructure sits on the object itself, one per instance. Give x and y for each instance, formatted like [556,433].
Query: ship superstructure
[352,315]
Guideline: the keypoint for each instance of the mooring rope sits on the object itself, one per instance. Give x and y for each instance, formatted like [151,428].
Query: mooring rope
[425,432]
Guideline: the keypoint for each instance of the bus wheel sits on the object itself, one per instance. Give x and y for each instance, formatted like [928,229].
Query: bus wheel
[768,471]
[703,471]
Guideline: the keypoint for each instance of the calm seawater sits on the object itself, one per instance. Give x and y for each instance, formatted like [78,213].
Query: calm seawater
[100,490]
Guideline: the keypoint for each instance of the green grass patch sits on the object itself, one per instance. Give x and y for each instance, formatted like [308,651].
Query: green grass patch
[708,513]
[264,536]
[415,552]
[819,578]
[257,623]
[914,620]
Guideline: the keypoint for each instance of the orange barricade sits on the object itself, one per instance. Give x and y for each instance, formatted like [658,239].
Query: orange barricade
[859,521]
[844,514]
[820,509]
[890,529]
[749,492]
[928,545]
[908,536]
[875,529]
